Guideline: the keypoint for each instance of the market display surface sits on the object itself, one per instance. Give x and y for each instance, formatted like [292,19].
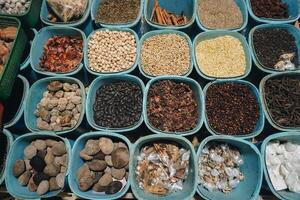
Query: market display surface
[159,99]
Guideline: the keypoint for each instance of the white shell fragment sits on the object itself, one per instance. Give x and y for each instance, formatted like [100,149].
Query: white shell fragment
[283,165]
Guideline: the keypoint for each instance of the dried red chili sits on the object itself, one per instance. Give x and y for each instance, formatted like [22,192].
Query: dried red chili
[62,54]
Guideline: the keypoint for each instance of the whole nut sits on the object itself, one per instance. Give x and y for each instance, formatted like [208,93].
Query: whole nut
[51,170]
[99,156]
[39,144]
[118,173]
[108,160]
[24,178]
[83,171]
[85,183]
[120,157]
[18,168]
[97,165]
[43,187]
[114,187]
[50,142]
[53,184]
[30,151]
[49,158]
[106,145]
[32,187]
[92,147]
[60,179]
[105,180]
[59,149]
[98,188]
[84,155]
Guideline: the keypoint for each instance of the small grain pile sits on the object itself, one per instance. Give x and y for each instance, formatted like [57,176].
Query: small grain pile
[111,51]
[165,54]
[216,14]
[117,11]
[276,9]
[221,57]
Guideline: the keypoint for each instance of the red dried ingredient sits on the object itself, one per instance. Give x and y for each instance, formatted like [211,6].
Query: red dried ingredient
[62,54]
[172,107]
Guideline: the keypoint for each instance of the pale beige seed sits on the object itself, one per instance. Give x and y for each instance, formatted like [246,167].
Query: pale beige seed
[165,54]
[221,57]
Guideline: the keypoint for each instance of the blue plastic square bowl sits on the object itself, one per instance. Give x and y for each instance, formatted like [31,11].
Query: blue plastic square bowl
[264,103]
[37,47]
[45,12]
[293,9]
[91,96]
[187,7]
[198,96]
[36,94]
[95,7]
[164,32]
[16,153]
[261,121]
[240,3]
[189,185]
[10,140]
[249,188]
[293,137]
[77,162]
[215,34]
[86,47]
[291,29]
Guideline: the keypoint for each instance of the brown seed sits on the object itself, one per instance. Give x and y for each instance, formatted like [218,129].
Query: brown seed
[92,147]
[39,144]
[84,155]
[106,145]
[97,165]
[120,157]
[30,151]
[18,168]
[118,173]
[105,180]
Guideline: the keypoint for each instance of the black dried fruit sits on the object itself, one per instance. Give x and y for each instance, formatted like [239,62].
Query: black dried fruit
[39,177]
[37,163]
[113,187]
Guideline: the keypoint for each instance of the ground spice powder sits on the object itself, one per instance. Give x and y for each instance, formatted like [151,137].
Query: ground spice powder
[220,14]
[231,109]
[117,11]
[221,57]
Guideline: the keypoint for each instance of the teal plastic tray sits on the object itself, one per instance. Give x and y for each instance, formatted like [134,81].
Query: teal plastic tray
[189,185]
[78,23]
[252,169]
[261,121]
[263,99]
[37,47]
[291,29]
[16,152]
[240,3]
[187,7]
[293,8]
[94,9]
[36,94]
[86,60]
[164,32]
[91,96]
[215,34]
[199,99]
[18,116]
[77,162]
[283,137]
[10,140]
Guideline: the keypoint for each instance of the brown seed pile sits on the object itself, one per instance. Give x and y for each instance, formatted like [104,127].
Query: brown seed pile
[221,57]
[172,106]
[60,108]
[106,166]
[44,166]
[231,108]
[165,54]
[117,11]
[111,51]
[162,168]
[216,14]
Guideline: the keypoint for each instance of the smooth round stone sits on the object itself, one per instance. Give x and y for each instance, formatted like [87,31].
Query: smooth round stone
[38,163]
[120,157]
[18,168]
[118,173]
[92,147]
[114,187]
[43,188]
[59,149]
[106,145]
[29,152]
[97,165]
[105,180]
